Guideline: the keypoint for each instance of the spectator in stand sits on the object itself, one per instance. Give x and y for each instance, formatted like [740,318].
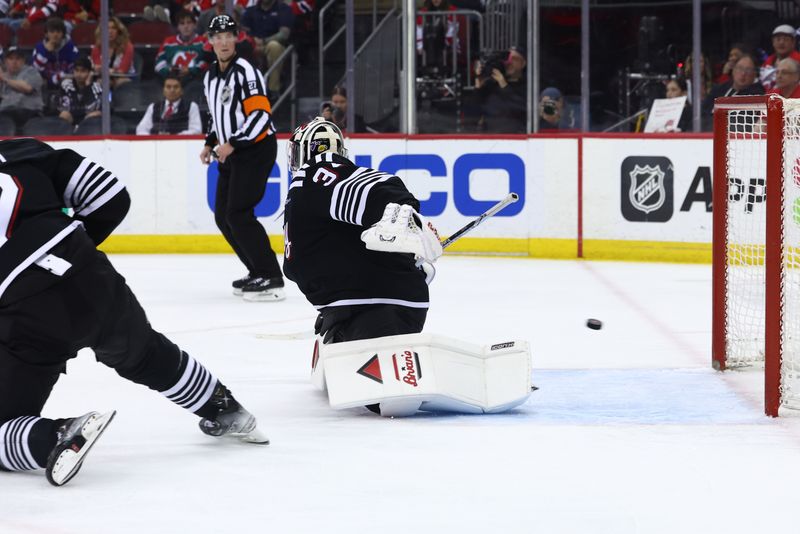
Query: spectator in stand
[436,34]
[80,95]
[121,60]
[502,95]
[270,23]
[737,51]
[783,44]
[787,79]
[173,115]
[182,54]
[77,11]
[24,13]
[676,88]
[706,76]
[303,34]
[743,82]
[335,111]
[54,56]
[20,89]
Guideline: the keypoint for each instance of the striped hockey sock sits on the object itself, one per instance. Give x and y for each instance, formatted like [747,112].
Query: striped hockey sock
[22,447]
[194,386]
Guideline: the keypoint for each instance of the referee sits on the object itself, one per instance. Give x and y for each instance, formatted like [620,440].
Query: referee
[242,131]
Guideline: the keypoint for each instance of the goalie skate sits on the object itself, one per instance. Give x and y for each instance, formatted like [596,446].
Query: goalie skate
[75,440]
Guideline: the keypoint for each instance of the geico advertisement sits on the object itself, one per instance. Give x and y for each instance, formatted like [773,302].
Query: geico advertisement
[648,189]
[455,181]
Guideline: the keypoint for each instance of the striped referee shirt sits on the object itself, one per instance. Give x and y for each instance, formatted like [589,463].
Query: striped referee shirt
[237,103]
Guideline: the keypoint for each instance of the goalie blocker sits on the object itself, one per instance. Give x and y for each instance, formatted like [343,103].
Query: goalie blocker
[407,373]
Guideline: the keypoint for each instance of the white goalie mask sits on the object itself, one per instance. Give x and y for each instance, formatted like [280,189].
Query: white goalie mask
[313,138]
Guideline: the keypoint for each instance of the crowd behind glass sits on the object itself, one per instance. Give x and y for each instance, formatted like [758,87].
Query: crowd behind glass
[158,53]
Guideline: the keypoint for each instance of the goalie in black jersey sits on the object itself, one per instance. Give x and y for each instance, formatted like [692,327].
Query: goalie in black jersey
[355,243]
[59,294]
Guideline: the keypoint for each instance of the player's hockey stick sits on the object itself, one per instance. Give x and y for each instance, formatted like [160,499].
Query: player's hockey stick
[458,234]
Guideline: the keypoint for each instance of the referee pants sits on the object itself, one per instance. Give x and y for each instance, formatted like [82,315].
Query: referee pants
[240,187]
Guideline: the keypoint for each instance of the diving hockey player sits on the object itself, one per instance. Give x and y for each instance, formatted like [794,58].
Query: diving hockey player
[59,294]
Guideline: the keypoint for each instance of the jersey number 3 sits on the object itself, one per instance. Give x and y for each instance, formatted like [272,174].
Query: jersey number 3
[10,196]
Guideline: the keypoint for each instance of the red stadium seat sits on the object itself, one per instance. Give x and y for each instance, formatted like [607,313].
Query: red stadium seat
[145,33]
[6,35]
[129,7]
[28,37]
[83,34]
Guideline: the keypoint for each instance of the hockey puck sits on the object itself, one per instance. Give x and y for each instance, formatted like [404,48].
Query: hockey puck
[594,324]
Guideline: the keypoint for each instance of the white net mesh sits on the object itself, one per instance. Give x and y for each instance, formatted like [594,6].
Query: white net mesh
[746,234]
[745,245]
[790,274]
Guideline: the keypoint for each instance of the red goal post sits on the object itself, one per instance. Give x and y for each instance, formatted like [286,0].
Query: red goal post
[756,242]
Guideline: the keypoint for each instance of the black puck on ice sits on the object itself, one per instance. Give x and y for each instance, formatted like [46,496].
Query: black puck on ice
[594,324]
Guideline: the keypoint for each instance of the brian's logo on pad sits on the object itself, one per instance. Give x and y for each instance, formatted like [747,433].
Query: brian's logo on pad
[372,370]
[407,368]
[647,188]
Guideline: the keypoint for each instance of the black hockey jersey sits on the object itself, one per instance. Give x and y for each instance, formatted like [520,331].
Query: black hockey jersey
[330,202]
[36,183]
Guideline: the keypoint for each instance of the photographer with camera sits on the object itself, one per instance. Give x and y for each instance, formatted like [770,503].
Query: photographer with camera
[335,110]
[553,112]
[501,88]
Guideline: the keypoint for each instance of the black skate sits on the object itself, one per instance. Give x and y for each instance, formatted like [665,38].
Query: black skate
[232,419]
[75,438]
[264,289]
[240,283]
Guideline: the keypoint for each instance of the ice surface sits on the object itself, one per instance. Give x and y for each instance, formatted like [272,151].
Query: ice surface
[631,430]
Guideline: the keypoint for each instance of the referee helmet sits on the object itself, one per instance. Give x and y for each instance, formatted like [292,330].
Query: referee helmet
[221,24]
[314,138]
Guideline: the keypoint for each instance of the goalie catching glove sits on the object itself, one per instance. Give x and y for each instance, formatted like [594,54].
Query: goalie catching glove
[402,229]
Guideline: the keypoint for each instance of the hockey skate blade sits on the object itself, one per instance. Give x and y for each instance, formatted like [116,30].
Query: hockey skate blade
[238,292]
[69,462]
[254,436]
[273,295]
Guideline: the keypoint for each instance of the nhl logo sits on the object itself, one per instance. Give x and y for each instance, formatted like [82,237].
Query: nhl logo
[227,93]
[646,188]
[646,191]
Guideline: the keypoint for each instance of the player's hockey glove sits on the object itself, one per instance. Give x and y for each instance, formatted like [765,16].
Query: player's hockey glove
[402,229]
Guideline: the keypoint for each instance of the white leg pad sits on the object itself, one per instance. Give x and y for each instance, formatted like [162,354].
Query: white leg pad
[425,372]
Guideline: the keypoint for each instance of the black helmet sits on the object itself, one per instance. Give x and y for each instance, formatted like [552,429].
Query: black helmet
[222,23]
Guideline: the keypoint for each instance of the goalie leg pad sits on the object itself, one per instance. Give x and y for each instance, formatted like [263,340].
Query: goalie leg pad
[412,372]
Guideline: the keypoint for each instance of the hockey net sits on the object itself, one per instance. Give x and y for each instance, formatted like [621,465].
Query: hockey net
[756,314]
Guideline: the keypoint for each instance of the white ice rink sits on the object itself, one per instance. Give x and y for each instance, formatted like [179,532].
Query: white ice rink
[630,431]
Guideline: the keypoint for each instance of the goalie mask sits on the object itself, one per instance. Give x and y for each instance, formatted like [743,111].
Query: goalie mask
[314,138]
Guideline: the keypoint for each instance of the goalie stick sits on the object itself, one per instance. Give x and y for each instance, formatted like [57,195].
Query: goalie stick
[458,234]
